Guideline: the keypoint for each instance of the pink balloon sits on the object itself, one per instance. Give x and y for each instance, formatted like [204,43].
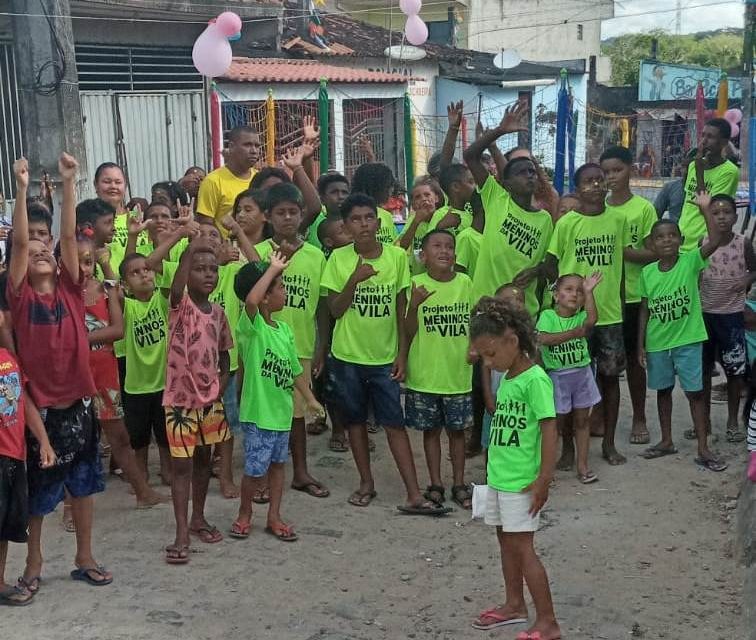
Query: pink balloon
[410,7]
[416,30]
[734,130]
[733,116]
[228,23]
[211,53]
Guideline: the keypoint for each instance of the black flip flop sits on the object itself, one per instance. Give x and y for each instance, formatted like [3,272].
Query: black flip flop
[7,597]
[652,453]
[83,575]
[423,510]
[711,464]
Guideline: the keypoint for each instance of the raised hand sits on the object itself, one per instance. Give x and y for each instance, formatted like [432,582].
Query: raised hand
[310,129]
[135,223]
[365,145]
[21,171]
[591,282]
[227,253]
[363,272]
[102,255]
[419,295]
[703,200]
[455,113]
[67,166]
[278,261]
[292,158]
[309,147]
[185,210]
[515,118]
[230,224]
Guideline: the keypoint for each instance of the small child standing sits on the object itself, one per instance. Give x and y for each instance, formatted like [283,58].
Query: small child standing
[437,322]
[196,377]
[269,371]
[16,410]
[564,350]
[724,283]
[521,457]
[671,332]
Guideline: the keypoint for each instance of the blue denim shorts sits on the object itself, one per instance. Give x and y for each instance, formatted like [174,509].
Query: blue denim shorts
[485,433]
[84,478]
[428,411]
[359,386]
[685,361]
[263,447]
[231,405]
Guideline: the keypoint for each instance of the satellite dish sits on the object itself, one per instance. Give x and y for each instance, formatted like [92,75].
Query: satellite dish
[507,59]
[404,52]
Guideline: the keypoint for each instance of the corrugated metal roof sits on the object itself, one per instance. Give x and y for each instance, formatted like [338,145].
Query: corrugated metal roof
[278,70]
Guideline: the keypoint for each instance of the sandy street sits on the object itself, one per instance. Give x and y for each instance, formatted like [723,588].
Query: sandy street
[644,553]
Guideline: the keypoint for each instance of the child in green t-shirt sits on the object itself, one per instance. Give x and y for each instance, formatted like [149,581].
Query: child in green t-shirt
[375,179]
[640,215]
[366,283]
[269,372]
[521,456]
[333,189]
[249,214]
[564,350]
[304,311]
[425,199]
[438,317]
[593,238]
[671,332]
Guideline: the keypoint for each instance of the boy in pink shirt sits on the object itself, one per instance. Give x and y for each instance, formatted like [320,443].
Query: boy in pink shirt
[196,377]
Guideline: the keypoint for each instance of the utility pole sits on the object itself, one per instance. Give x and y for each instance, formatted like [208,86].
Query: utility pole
[747,101]
[48,84]
[678,18]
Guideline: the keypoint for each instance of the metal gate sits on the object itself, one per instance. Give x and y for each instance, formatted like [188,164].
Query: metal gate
[153,136]
[11,144]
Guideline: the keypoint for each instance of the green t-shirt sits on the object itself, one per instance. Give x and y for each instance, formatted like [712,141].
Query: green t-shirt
[468,248]
[720,179]
[367,332]
[584,244]
[674,303]
[386,227]
[571,354]
[417,267]
[640,215]
[312,232]
[224,296]
[270,365]
[302,281]
[442,331]
[120,239]
[145,340]
[513,239]
[514,447]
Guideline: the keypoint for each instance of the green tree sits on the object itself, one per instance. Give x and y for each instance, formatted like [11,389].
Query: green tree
[710,50]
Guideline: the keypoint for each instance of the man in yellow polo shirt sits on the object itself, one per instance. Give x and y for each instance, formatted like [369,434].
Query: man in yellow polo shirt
[219,189]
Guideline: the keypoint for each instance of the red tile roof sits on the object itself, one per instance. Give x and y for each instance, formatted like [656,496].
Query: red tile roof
[282,70]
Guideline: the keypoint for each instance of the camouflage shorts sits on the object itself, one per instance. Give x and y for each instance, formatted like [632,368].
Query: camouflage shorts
[427,411]
[607,347]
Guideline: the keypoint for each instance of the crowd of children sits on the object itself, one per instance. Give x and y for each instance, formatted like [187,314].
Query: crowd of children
[499,314]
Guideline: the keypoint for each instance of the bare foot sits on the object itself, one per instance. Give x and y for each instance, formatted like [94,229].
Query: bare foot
[612,456]
[639,433]
[229,490]
[151,499]
[567,459]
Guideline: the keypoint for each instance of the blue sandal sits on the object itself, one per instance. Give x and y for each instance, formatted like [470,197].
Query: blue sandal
[84,575]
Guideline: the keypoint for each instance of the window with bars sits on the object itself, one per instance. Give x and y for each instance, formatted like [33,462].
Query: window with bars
[126,68]
[11,141]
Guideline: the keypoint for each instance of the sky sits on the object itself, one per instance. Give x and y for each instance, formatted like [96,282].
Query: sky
[697,15]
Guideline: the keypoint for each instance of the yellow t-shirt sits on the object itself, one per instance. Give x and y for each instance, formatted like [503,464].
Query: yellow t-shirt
[218,192]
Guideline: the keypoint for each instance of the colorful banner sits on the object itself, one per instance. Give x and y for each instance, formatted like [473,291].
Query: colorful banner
[662,81]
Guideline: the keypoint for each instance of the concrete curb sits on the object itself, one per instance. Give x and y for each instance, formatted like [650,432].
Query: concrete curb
[746,552]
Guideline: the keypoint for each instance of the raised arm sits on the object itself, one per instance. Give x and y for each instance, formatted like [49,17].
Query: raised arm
[257,294]
[410,231]
[69,250]
[589,285]
[293,159]
[455,113]
[338,303]
[714,237]
[512,122]
[19,262]
[245,246]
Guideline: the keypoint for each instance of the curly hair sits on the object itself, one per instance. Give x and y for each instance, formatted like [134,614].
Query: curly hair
[493,317]
[374,179]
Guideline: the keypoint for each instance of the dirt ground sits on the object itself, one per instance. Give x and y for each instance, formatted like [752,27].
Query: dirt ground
[644,553]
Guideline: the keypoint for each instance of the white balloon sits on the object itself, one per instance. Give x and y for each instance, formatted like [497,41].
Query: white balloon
[410,7]
[211,53]
[416,30]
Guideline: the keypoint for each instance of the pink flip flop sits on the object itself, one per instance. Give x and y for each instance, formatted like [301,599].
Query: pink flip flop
[498,620]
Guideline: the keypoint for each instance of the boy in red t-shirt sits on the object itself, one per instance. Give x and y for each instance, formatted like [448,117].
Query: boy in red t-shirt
[16,409]
[47,307]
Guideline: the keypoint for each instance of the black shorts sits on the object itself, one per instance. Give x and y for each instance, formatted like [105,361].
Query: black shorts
[630,329]
[607,349]
[145,416]
[14,500]
[726,343]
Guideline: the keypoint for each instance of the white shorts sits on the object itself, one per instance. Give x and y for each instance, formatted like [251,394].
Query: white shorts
[510,511]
